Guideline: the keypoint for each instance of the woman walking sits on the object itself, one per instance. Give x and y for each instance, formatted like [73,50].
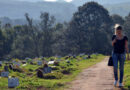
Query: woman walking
[120,48]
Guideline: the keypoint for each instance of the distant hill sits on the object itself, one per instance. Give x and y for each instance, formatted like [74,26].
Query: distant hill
[15,9]
[81,2]
[122,9]
[61,10]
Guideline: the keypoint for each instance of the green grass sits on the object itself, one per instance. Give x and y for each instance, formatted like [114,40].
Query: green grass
[32,82]
[127,75]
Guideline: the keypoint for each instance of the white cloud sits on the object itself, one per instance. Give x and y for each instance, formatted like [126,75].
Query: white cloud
[68,0]
[51,0]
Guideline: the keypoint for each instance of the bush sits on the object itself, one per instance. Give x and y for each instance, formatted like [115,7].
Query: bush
[56,75]
[54,68]
[33,63]
[31,70]
[68,70]
[18,70]
[63,67]
[40,73]
[56,63]
[40,68]
[0,72]
[29,74]
[0,65]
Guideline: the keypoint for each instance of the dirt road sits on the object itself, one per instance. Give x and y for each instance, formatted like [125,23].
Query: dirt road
[97,77]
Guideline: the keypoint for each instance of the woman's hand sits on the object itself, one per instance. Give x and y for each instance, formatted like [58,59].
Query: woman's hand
[114,41]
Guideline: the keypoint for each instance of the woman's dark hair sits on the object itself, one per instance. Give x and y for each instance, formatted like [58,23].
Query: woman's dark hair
[119,27]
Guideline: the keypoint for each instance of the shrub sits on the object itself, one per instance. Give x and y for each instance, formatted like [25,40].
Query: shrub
[0,65]
[31,70]
[56,63]
[29,74]
[11,67]
[63,67]
[18,70]
[55,75]
[40,73]
[54,68]
[40,68]
[68,70]
[0,72]
[32,63]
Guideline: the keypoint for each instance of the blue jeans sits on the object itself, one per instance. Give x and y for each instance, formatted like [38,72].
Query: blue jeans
[121,58]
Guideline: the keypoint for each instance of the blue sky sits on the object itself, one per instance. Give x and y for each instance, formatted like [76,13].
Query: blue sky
[45,0]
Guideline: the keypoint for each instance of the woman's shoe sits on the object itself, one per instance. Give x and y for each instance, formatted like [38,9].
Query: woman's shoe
[120,85]
[115,83]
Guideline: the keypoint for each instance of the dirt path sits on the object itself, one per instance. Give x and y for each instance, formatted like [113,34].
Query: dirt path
[97,77]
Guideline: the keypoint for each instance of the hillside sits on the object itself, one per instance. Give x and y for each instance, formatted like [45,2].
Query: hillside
[80,2]
[122,9]
[63,11]
[16,9]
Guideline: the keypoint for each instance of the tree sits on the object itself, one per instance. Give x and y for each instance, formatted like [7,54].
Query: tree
[59,39]
[24,44]
[8,31]
[46,26]
[90,21]
[2,43]
[126,27]
[117,19]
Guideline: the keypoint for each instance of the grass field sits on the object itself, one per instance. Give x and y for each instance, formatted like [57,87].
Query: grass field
[29,80]
[127,75]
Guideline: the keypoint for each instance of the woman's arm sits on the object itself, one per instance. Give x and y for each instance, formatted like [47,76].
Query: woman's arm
[127,49]
[113,42]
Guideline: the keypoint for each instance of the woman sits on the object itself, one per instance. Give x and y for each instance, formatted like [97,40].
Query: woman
[120,47]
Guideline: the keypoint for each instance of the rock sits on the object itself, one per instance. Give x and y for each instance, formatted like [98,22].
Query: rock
[23,62]
[58,60]
[39,63]
[27,58]
[45,65]
[40,68]
[0,62]
[66,57]
[13,82]
[81,54]
[84,57]
[18,70]
[65,71]
[67,61]
[32,63]
[4,74]
[17,64]
[51,62]
[6,68]
[74,56]
[89,56]
[54,68]
[56,63]
[11,67]
[0,65]
[40,73]
[31,70]
[47,70]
